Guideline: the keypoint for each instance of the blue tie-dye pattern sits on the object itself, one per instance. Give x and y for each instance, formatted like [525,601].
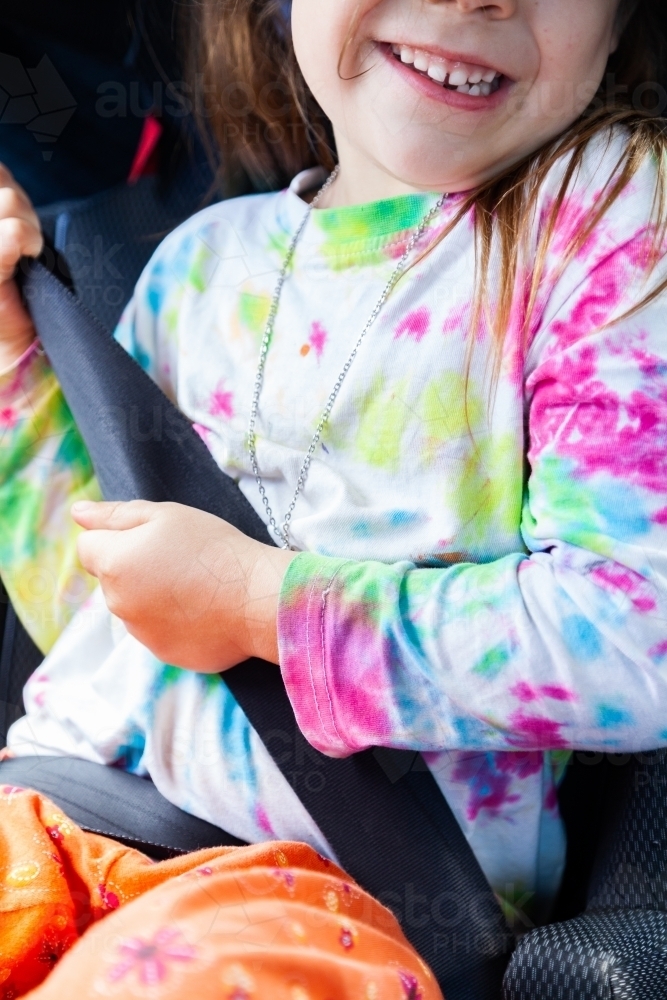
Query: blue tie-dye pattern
[130,754]
[610,717]
[582,638]
[235,733]
[619,508]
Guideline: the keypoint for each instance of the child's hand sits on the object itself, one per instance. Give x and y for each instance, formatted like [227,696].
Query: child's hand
[193,589]
[20,234]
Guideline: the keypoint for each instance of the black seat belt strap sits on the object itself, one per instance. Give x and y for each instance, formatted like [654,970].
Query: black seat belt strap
[397,838]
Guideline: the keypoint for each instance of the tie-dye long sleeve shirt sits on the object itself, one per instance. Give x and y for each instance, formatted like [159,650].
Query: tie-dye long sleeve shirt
[482,574]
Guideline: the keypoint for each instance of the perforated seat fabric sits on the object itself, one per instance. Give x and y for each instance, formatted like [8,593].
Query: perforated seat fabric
[618,949]
[631,870]
[108,239]
[603,956]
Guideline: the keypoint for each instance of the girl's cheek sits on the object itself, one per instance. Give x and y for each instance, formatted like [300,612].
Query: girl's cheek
[325,35]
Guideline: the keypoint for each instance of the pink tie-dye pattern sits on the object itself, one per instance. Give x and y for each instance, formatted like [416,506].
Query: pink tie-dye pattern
[624,581]
[8,417]
[205,434]
[318,339]
[536,732]
[221,403]
[492,779]
[416,325]
[659,651]
[263,821]
[602,431]
[527,693]
[457,321]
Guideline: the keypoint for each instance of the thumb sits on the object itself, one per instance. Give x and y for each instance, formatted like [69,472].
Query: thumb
[113,515]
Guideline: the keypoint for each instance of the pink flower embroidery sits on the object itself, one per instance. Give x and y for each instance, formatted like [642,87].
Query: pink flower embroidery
[410,986]
[346,938]
[109,899]
[287,878]
[12,790]
[150,959]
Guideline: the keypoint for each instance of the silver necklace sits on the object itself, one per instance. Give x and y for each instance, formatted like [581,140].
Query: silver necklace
[282,533]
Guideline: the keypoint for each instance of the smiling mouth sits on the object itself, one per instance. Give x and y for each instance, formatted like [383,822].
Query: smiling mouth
[462,78]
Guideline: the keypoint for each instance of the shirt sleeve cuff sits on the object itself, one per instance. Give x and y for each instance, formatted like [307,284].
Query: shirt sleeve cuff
[302,645]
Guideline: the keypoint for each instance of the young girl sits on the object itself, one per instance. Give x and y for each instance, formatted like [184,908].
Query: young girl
[468,343]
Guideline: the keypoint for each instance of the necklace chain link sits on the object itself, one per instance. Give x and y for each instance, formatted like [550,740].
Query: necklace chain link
[282,532]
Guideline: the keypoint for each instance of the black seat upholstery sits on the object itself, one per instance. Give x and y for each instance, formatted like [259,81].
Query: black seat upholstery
[603,956]
[107,239]
[123,806]
[616,950]
[19,658]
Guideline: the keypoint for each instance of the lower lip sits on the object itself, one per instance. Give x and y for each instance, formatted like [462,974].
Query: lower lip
[429,88]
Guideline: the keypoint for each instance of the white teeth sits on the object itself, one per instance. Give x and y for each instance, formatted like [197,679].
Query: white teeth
[473,80]
[458,77]
[437,72]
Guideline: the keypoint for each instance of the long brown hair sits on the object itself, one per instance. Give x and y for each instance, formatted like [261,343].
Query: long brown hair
[268,126]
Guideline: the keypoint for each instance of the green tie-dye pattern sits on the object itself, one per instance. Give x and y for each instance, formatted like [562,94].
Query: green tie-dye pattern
[571,509]
[38,566]
[202,265]
[254,312]
[22,504]
[170,675]
[384,417]
[364,234]
[448,411]
[493,661]
[361,223]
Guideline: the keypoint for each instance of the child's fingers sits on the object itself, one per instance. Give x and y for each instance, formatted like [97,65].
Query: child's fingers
[113,515]
[94,552]
[18,237]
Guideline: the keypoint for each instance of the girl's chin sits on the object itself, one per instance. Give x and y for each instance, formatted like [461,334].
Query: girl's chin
[462,172]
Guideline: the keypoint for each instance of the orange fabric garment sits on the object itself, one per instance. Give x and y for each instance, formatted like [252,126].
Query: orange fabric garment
[81,915]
